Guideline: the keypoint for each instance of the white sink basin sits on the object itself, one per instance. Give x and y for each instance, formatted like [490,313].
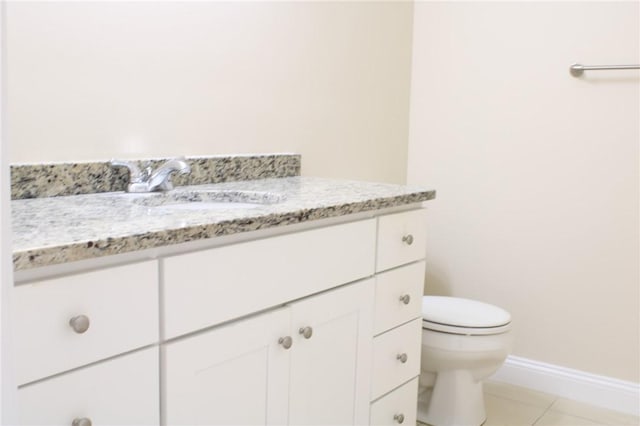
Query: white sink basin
[207,200]
[206,206]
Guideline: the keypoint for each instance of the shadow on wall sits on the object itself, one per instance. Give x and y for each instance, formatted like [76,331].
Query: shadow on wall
[436,282]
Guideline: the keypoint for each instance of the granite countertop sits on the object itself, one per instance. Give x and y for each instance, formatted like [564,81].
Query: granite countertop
[54,230]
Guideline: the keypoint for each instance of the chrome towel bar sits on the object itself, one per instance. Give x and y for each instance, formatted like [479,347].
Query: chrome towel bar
[577,70]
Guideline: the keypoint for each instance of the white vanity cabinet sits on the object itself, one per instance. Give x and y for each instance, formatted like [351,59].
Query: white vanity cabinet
[400,268]
[306,363]
[318,326]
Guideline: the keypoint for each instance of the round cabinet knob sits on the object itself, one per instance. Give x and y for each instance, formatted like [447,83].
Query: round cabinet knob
[405,299]
[307,332]
[402,358]
[399,418]
[81,421]
[408,239]
[286,342]
[80,324]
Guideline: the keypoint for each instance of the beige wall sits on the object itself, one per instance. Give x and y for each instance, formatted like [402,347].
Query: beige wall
[537,172]
[95,80]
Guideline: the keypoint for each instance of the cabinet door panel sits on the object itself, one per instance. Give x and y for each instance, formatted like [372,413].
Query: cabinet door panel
[233,375]
[330,370]
[121,391]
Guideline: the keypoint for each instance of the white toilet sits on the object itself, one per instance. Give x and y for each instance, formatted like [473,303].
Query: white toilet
[463,342]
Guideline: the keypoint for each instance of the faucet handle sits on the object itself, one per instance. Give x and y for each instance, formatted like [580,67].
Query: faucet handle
[136,175]
[146,171]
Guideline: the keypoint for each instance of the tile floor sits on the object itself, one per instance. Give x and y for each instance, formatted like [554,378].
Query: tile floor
[509,405]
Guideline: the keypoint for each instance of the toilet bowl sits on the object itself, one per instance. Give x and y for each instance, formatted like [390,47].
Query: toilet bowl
[463,342]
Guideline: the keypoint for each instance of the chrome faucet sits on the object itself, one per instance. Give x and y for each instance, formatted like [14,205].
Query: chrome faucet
[147,180]
[160,178]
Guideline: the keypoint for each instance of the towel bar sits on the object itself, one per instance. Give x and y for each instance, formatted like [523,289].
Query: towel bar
[577,70]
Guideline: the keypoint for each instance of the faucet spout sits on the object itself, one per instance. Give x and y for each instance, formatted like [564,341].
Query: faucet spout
[147,181]
[160,179]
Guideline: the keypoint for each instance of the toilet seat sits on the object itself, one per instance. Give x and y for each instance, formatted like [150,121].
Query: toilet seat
[463,316]
[467,331]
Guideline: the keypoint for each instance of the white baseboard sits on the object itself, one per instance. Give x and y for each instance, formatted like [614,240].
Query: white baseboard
[577,385]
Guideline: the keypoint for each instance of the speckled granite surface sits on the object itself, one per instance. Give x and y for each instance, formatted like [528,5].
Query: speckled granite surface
[49,231]
[58,179]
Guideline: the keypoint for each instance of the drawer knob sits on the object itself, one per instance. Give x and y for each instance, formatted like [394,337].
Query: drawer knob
[80,324]
[286,342]
[405,299]
[402,358]
[81,421]
[408,239]
[307,332]
[399,418]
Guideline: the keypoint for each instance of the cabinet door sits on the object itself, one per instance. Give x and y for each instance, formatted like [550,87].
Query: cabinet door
[235,374]
[121,391]
[331,365]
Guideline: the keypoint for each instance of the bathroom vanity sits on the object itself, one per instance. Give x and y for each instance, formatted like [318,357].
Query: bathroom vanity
[302,309]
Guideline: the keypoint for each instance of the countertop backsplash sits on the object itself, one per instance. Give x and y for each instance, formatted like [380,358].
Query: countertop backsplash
[59,179]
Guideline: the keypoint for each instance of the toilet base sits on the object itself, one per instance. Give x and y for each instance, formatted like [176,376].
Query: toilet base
[456,399]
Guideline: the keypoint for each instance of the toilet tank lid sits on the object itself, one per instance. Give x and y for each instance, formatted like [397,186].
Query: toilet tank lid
[463,312]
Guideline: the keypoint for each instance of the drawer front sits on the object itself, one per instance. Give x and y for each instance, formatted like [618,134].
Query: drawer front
[121,391]
[398,296]
[209,287]
[121,305]
[389,370]
[397,407]
[401,239]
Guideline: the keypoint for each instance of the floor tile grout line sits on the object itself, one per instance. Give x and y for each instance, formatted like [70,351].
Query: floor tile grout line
[544,412]
[593,419]
[549,408]
[531,404]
